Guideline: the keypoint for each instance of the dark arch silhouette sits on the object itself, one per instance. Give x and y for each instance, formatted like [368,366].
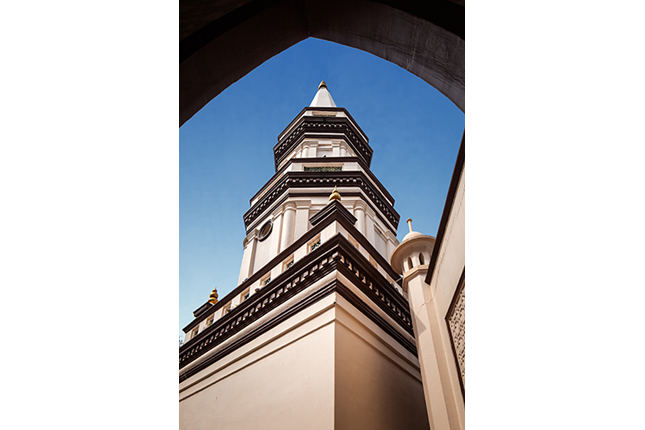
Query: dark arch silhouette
[220,41]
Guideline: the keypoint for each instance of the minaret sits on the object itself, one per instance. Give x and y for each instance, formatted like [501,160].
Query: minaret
[317,330]
[322,148]
[411,259]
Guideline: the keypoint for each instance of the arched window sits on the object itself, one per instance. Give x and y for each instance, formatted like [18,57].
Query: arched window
[421,258]
[410,266]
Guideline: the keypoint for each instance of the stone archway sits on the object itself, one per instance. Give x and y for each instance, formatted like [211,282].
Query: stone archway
[223,40]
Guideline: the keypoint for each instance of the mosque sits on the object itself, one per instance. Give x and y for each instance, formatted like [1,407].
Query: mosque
[334,324]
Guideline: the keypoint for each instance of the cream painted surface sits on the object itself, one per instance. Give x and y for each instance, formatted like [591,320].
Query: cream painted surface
[302,218]
[327,367]
[451,259]
[289,388]
[296,321]
[369,332]
[374,307]
[369,226]
[286,230]
[262,251]
[288,222]
[450,265]
[443,412]
[276,233]
[429,305]
[249,255]
[373,390]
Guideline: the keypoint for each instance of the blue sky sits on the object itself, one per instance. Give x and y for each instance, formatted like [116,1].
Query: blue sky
[225,151]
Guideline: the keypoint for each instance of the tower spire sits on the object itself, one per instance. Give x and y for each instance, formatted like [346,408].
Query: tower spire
[322,97]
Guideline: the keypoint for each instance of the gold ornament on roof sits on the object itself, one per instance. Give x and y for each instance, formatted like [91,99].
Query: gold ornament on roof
[322,84]
[212,299]
[335,195]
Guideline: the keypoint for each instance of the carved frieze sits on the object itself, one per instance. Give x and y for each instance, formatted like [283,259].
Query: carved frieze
[335,254]
[323,179]
[308,125]
[456,319]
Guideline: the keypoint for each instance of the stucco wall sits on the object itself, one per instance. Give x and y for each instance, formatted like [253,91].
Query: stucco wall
[284,380]
[375,388]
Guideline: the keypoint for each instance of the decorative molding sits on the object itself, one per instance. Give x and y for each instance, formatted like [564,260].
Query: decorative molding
[305,126]
[456,321]
[334,286]
[202,309]
[323,179]
[333,206]
[327,160]
[323,169]
[447,208]
[335,254]
[315,230]
[321,109]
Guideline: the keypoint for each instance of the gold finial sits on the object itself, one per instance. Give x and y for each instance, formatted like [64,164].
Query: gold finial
[335,195]
[212,299]
[322,84]
[409,221]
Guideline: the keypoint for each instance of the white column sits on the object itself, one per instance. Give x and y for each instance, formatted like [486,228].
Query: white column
[288,221]
[305,150]
[313,148]
[250,243]
[343,150]
[359,213]
[391,243]
[369,227]
[335,149]
[276,235]
[302,218]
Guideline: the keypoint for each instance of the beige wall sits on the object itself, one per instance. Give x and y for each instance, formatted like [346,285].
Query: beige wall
[375,388]
[281,380]
[429,306]
[327,367]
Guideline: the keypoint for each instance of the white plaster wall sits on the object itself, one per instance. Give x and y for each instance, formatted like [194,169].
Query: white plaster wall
[376,388]
[263,249]
[302,218]
[285,384]
[429,306]
[451,258]
[327,367]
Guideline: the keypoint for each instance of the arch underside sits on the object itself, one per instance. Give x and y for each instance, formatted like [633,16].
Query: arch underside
[222,41]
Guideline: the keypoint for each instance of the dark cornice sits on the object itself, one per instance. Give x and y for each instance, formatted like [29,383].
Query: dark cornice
[447,208]
[328,160]
[324,109]
[335,254]
[323,179]
[312,126]
[332,207]
[333,216]
[202,309]
[334,286]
